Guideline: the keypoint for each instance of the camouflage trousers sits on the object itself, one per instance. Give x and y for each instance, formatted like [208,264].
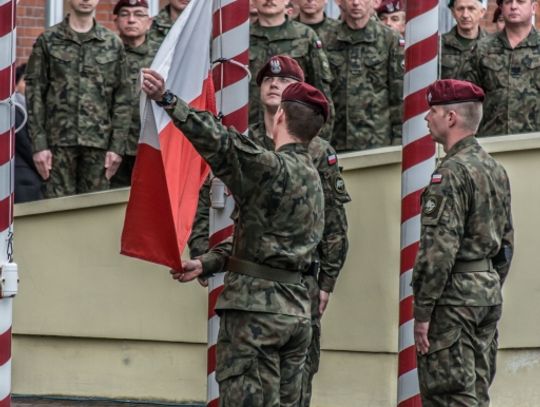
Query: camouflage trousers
[260,357]
[76,170]
[313,355]
[460,364]
[122,178]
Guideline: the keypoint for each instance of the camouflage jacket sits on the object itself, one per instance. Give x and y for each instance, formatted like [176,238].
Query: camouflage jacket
[281,211]
[333,248]
[466,216]
[299,42]
[78,94]
[161,25]
[368,86]
[137,58]
[324,29]
[511,80]
[454,53]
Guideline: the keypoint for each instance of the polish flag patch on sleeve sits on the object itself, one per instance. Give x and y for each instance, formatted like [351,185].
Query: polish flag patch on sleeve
[318,44]
[332,159]
[436,178]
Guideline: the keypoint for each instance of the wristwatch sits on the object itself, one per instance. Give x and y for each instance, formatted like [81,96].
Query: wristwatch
[168,99]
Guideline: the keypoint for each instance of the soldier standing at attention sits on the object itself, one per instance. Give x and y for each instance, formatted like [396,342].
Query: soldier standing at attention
[312,14]
[275,34]
[133,22]
[392,14]
[79,103]
[278,73]
[507,66]
[466,246]
[457,44]
[367,90]
[165,19]
[265,314]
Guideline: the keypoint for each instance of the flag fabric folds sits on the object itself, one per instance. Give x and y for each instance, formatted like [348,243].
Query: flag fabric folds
[168,171]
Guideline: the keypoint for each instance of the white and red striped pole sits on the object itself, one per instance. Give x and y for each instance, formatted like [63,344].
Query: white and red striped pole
[421,46]
[8,272]
[230,56]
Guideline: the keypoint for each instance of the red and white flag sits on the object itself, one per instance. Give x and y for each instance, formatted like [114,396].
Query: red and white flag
[168,171]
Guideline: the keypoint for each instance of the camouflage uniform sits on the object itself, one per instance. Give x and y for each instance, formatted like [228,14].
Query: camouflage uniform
[298,41]
[265,325]
[368,86]
[332,250]
[136,58]
[511,80]
[79,101]
[324,28]
[464,256]
[455,51]
[161,25]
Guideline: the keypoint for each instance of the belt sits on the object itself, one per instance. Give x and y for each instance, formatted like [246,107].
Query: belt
[249,268]
[472,266]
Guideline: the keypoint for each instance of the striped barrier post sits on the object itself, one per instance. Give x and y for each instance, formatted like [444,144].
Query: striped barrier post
[8,271]
[418,163]
[230,57]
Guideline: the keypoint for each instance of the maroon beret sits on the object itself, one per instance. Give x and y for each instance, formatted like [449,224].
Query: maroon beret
[281,66]
[448,91]
[129,3]
[497,14]
[390,6]
[306,94]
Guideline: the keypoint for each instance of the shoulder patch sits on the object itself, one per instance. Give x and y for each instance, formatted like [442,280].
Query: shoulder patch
[318,44]
[436,178]
[432,208]
[331,159]
[339,184]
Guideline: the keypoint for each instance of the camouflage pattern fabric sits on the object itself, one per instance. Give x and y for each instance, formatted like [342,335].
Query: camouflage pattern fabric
[454,53]
[324,28]
[78,93]
[76,170]
[198,241]
[259,357]
[136,58]
[368,86]
[461,362]
[466,217]
[161,25]
[298,41]
[511,80]
[270,189]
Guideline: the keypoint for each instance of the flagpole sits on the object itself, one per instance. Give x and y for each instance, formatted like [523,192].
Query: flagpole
[418,163]
[230,43]
[8,271]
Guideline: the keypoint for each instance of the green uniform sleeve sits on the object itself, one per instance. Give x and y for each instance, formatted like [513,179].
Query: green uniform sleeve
[121,106]
[37,84]
[215,260]
[199,239]
[443,219]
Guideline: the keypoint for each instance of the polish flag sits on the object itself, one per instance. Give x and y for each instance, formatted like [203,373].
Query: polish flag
[168,171]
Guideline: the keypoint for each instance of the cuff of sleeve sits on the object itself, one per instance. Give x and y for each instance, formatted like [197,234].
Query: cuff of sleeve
[39,144]
[423,313]
[118,144]
[326,283]
[180,111]
[212,263]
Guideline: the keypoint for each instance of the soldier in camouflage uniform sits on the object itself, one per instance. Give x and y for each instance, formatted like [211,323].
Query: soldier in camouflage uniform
[264,307]
[273,78]
[312,14]
[465,251]
[507,66]
[275,34]
[165,19]
[79,101]
[368,80]
[392,14]
[133,22]
[457,44]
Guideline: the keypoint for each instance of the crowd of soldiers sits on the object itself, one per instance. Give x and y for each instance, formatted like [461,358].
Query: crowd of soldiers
[82,80]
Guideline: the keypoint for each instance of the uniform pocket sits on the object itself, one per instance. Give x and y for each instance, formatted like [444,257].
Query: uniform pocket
[448,366]
[240,383]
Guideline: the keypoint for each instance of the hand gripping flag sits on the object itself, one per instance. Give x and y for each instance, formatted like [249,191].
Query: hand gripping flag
[168,171]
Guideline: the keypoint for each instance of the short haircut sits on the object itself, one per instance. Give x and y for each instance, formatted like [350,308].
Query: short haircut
[20,71]
[303,122]
[470,113]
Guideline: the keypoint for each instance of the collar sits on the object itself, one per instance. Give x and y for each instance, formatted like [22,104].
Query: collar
[461,145]
[293,147]
[366,34]
[532,40]
[284,31]
[96,32]
[140,50]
